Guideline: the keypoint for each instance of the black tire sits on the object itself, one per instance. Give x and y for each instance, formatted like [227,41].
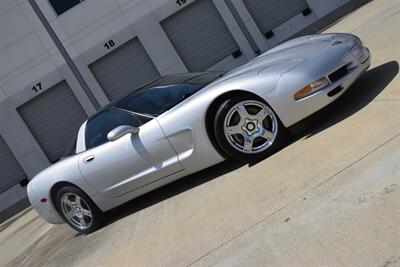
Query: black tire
[227,146]
[97,216]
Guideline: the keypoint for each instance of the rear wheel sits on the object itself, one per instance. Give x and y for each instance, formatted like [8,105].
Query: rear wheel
[78,210]
[247,129]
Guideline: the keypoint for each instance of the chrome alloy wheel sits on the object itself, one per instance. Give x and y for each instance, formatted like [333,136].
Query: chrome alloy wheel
[76,210]
[250,126]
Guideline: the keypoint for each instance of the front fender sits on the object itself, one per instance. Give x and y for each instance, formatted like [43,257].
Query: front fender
[41,185]
[46,210]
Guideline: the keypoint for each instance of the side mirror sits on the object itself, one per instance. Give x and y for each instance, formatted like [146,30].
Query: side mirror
[121,131]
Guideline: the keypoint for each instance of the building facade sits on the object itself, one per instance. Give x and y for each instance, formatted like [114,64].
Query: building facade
[112,47]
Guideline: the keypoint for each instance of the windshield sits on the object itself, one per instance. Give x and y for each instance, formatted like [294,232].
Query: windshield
[165,93]
[156,100]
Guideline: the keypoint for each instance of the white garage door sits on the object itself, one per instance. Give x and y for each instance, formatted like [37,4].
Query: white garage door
[269,14]
[54,118]
[200,36]
[124,69]
[11,172]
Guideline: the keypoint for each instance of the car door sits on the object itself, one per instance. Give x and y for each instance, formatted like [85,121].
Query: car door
[129,163]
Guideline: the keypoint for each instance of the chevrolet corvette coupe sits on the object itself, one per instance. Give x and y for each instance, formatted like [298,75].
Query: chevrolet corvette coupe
[181,124]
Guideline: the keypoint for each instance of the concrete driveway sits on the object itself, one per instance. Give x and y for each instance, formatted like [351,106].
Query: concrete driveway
[330,198]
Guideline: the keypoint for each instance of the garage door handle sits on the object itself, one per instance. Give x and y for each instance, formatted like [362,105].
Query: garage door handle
[88,159]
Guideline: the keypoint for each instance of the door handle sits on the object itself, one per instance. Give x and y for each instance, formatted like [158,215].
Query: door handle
[88,159]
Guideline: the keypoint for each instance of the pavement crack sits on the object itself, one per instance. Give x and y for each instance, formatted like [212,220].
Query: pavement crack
[292,201]
[354,163]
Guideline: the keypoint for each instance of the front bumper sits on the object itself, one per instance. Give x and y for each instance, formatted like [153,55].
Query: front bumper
[356,61]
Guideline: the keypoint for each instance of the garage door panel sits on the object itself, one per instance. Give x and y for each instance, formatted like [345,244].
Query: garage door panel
[11,172]
[124,69]
[269,14]
[54,118]
[200,35]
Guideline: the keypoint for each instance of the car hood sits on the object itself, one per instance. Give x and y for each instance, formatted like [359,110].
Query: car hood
[290,54]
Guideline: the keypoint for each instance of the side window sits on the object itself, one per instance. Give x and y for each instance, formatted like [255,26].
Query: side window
[98,127]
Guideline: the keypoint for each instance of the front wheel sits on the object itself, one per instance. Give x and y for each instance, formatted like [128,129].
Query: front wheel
[247,129]
[78,210]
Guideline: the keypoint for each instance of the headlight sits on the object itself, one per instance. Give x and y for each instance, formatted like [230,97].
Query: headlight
[312,88]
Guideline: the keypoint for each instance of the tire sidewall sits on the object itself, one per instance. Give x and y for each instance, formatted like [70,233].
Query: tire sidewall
[97,214]
[233,153]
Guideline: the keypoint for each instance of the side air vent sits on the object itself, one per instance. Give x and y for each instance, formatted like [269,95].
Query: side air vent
[339,74]
[335,91]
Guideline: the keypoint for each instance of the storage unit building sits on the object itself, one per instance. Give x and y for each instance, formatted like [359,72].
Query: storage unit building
[200,36]
[269,14]
[11,172]
[124,69]
[54,118]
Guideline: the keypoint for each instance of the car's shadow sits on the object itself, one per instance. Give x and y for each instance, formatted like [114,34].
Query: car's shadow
[373,82]
[363,92]
[171,190]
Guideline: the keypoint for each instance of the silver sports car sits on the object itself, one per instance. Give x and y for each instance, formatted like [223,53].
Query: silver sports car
[181,124]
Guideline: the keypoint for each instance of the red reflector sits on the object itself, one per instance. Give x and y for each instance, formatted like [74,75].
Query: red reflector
[43,200]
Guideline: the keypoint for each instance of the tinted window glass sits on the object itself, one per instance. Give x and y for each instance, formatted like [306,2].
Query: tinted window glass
[203,78]
[60,6]
[156,100]
[98,127]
